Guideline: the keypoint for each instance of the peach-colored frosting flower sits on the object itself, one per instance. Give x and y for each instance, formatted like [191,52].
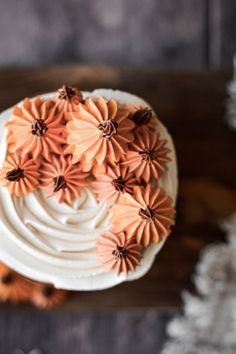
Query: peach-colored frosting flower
[20,174]
[13,287]
[147,157]
[35,128]
[97,131]
[111,184]
[117,253]
[46,296]
[143,117]
[147,215]
[63,179]
[68,98]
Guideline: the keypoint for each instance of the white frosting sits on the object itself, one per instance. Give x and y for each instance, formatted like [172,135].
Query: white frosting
[55,243]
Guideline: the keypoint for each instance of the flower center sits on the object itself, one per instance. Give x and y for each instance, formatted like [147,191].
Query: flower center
[60,183]
[7,279]
[119,184]
[39,127]
[120,252]
[148,155]
[15,175]
[108,128]
[47,291]
[147,214]
[66,93]
[142,116]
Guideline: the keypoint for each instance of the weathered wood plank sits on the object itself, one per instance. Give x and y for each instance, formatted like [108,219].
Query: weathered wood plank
[67,333]
[151,32]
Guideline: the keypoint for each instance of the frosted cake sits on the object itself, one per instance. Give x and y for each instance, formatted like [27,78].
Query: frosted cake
[88,185]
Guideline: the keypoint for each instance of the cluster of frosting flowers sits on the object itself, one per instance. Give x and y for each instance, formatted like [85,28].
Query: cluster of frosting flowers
[72,142]
[36,141]
[120,144]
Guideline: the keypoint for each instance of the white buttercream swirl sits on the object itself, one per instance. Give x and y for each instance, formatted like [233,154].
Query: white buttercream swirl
[53,242]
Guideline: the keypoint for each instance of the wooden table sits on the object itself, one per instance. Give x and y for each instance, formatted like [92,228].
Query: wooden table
[191,104]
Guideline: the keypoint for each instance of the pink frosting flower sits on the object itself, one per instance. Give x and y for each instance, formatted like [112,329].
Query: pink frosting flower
[143,117]
[113,183]
[35,128]
[63,179]
[147,157]
[67,99]
[116,252]
[147,215]
[20,174]
[98,132]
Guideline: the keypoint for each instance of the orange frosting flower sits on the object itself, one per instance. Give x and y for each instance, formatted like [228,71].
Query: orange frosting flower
[143,117]
[46,296]
[147,156]
[63,179]
[98,132]
[117,253]
[19,174]
[111,184]
[36,128]
[67,99]
[147,215]
[13,287]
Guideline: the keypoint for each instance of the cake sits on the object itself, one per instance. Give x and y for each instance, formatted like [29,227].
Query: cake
[88,185]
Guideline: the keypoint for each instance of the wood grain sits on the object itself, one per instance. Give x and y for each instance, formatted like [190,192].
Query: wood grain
[191,104]
[150,32]
[60,332]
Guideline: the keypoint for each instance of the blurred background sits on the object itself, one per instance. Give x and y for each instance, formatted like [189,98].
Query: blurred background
[152,34]
[163,33]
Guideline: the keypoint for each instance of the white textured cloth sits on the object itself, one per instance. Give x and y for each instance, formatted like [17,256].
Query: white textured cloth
[208,325]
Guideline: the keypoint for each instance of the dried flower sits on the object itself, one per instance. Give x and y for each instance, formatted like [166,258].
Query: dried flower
[46,296]
[13,287]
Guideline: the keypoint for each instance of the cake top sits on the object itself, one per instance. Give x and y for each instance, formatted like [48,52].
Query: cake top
[67,143]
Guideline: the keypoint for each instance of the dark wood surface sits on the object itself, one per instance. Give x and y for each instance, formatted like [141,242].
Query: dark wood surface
[191,105]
